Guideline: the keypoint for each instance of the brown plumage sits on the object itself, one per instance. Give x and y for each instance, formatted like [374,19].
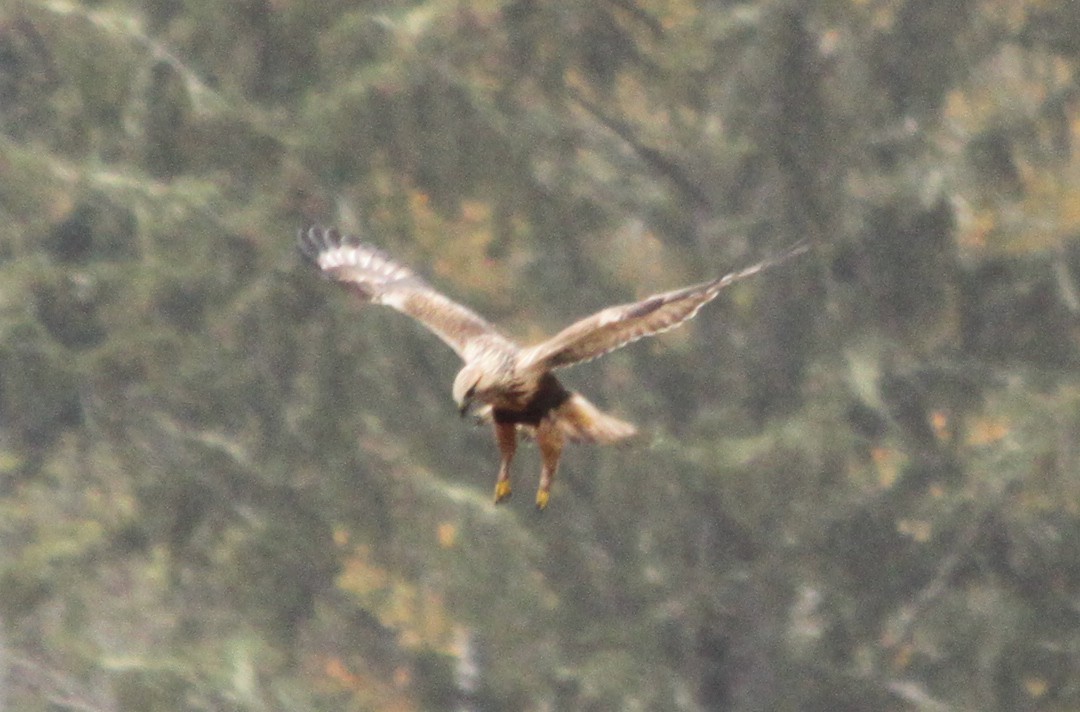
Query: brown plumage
[511,386]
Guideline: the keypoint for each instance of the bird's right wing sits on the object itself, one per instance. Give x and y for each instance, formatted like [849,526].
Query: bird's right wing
[374,277]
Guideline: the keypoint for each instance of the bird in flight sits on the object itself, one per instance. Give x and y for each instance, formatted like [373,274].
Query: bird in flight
[513,386]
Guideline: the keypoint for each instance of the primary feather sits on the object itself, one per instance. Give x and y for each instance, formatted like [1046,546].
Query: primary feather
[374,277]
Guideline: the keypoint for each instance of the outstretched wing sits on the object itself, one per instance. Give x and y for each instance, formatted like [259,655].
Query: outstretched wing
[374,277]
[618,326]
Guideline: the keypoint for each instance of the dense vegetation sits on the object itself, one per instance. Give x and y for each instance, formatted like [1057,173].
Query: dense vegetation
[225,487]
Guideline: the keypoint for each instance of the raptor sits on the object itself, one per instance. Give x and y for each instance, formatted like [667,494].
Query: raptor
[512,386]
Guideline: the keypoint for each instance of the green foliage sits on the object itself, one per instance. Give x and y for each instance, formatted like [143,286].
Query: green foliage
[224,487]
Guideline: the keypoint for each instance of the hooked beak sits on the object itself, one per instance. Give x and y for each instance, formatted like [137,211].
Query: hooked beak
[471,408]
[465,406]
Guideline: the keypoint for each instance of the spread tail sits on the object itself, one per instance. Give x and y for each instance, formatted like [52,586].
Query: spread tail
[582,421]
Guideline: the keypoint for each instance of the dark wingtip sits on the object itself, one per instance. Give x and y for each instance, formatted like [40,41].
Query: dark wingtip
[800,247]
[313,239]
[305,242]
[793,250]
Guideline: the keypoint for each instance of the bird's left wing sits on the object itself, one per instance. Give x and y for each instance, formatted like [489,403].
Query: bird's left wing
[618,326]
[374,277]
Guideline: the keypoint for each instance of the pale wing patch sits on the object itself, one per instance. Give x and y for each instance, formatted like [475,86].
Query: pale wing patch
[374,277]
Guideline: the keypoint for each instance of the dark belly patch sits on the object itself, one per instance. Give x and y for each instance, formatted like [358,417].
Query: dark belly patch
[548,396]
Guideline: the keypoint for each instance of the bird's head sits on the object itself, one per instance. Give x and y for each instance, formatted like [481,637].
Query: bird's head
[467,386]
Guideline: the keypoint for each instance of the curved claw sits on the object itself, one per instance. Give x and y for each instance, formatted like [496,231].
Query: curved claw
[502,490]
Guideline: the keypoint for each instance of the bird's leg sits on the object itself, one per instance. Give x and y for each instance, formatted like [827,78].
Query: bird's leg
[506,436]
[550,439]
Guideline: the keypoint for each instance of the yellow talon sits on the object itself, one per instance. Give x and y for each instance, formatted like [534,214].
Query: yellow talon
[502,490]
[542,499]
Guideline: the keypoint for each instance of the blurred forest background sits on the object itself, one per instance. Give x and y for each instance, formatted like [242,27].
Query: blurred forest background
[224,486]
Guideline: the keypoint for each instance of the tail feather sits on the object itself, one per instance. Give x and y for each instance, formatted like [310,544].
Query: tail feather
[580,420]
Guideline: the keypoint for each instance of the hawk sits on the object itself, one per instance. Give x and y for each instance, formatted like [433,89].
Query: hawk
[512,386]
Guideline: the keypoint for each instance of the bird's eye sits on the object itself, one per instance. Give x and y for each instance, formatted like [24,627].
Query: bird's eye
[471,392]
